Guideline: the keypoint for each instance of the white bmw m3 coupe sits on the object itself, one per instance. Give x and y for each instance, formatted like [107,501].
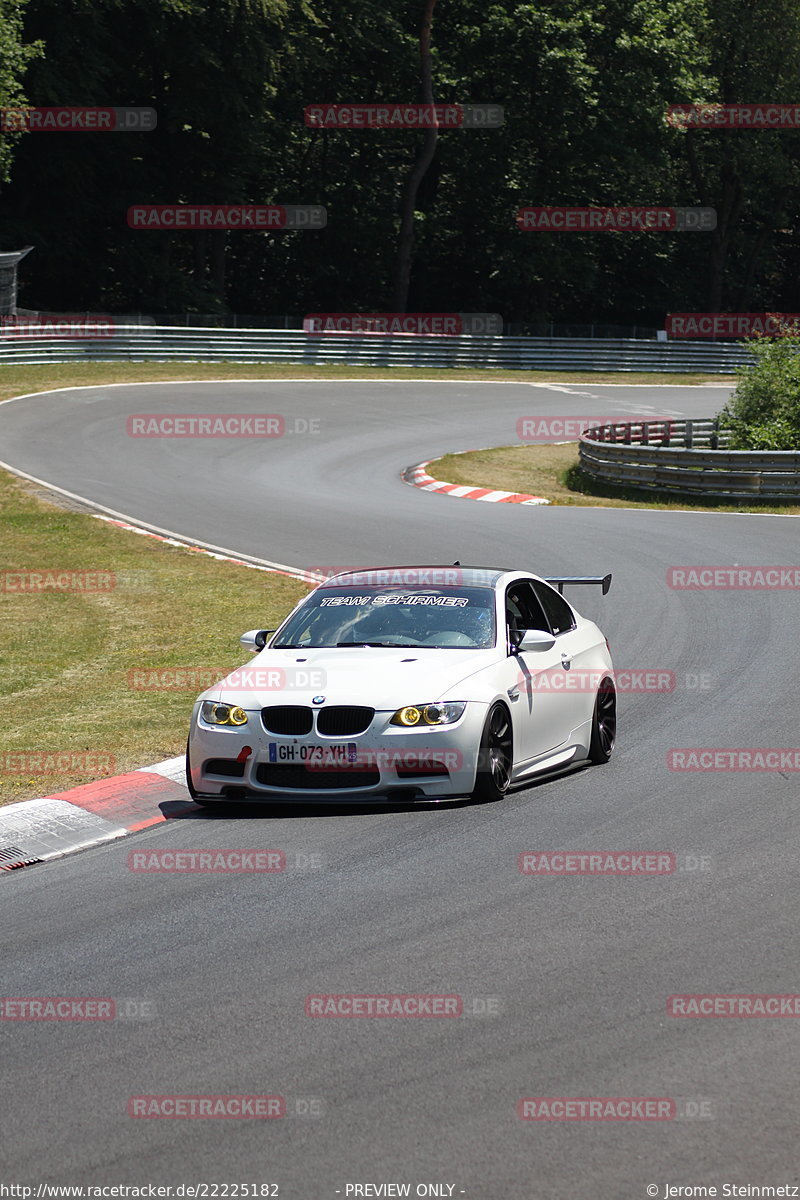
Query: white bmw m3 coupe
[409,683]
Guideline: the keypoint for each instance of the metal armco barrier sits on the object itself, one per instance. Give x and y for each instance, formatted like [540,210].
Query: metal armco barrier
[687,457]
[136,343]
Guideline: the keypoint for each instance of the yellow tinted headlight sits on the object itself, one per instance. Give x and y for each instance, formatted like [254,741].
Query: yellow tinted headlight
[407,716]
[429,714]
[223,714]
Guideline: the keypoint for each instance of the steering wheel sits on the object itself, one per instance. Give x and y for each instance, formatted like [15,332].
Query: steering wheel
[449,637]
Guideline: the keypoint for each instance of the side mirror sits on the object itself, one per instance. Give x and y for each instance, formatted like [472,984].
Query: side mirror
[255,639]
[536,639]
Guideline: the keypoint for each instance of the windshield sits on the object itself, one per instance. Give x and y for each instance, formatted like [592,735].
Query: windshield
[433,617]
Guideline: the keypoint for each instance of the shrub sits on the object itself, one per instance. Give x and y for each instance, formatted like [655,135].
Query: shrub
[763,412]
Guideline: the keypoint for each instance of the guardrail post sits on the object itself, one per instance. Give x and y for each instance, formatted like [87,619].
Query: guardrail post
[688,437]
[713,441]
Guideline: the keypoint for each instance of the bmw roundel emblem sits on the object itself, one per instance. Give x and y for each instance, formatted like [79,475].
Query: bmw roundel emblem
[318,700]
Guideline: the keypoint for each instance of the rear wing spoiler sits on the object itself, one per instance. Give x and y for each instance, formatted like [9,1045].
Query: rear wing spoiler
[603,581]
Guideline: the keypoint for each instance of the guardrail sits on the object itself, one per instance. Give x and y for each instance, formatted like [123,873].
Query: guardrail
[687,457]
[181,344]
[686,435]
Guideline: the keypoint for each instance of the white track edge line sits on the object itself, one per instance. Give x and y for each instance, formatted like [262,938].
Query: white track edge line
[182,539]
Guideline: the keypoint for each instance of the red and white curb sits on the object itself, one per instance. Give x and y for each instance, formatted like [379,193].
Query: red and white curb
[418,477]
[34,831]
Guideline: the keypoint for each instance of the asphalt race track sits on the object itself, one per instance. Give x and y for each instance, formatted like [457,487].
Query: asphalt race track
[576,970]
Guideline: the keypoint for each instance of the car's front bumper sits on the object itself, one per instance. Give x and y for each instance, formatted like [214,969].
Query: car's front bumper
[387,761]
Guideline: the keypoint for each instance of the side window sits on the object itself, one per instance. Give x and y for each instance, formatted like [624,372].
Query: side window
[523,610]
[560,616]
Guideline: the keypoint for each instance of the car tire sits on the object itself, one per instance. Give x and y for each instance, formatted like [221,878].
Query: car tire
[604,723]
[495,756]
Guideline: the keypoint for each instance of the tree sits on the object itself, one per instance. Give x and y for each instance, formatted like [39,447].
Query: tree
[405,242]
[15,55]
[585,88]
[750,177]
[206,66]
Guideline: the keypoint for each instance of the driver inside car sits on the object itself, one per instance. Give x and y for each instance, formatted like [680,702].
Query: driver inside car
[425,625]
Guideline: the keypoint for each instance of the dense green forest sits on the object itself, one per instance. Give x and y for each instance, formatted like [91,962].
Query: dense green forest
[584,89]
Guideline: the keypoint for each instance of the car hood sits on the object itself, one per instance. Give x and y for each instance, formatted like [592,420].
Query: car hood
[381,678]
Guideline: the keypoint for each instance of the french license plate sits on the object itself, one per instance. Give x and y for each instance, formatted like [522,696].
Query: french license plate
[302,752]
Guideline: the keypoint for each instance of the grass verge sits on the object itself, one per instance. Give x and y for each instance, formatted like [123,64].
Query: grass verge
[75,709]
[552,471]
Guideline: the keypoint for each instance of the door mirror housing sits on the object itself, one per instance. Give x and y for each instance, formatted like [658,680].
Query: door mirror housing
[255,639]
[535,639]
